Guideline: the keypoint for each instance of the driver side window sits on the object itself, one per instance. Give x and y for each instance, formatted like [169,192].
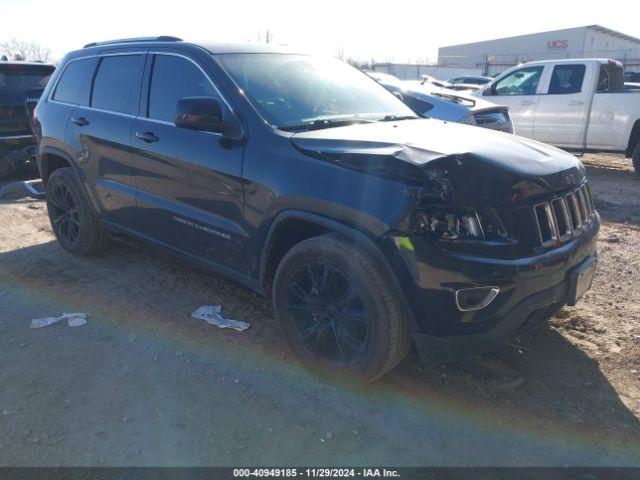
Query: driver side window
[521,82]
[174,78]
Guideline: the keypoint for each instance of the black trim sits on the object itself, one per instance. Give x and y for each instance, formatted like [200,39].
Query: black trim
[198,262]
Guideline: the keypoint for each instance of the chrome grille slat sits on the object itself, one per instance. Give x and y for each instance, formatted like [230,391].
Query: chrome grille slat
[564,217]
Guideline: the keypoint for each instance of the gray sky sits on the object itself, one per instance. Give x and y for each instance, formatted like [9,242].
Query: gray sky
[397,30]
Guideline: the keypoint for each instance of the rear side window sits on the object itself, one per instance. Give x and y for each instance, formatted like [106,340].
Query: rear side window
[117,84]
[611,78]
[74,81]
[172,79]
[566,79]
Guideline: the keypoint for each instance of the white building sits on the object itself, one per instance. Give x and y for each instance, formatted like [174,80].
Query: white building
[494,56]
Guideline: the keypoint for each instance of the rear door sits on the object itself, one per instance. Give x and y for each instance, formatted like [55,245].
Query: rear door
[518,90]
[190,191]
[100,134]
[562,109]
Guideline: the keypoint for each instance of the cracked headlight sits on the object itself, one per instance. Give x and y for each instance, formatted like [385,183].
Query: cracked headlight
[450,224]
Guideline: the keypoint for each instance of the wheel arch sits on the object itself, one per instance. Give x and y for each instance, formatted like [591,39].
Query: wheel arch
[51,159]
[292,226]
[634,138]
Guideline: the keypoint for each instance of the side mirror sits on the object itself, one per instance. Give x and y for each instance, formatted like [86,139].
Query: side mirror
[203,114]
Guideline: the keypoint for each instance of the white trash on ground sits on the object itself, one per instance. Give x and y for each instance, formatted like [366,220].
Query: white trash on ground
[211,314]
[73,320]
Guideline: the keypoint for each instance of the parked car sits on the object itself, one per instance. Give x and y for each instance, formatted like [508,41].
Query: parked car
[445,104]
[464,87]
[19,83]
[370,227]
[471,80]
[575,104]
[428,79]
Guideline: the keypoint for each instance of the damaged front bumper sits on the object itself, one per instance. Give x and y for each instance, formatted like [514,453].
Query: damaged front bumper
[529,290]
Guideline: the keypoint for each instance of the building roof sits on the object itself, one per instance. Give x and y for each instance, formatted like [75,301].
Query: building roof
[614,33]
[598,28]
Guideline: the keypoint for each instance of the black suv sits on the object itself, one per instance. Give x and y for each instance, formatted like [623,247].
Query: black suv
[21,83]
[300,177]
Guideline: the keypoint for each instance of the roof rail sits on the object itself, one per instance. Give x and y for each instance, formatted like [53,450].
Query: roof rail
[161,38]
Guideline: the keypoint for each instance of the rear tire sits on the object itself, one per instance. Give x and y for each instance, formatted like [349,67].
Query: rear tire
[74,224]
[337,310]
[636,158]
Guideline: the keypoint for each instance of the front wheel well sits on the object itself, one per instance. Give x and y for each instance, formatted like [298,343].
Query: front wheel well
[288,233]
[634,139]
[49,162]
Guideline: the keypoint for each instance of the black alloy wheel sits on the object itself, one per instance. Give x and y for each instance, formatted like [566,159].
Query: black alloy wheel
[65,215]
[331,321]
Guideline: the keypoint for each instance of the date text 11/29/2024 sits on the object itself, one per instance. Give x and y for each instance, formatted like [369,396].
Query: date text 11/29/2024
[316,472]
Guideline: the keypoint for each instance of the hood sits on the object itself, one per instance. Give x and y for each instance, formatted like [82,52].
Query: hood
[475,164]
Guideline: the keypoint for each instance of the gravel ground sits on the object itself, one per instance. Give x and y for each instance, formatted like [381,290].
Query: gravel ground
[144,384]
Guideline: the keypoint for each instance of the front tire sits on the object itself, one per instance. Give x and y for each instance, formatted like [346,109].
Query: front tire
[337,310]
[74,224]
[636,158]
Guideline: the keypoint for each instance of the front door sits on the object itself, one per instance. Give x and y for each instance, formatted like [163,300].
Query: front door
[519,91]
[561,114]
[190,192]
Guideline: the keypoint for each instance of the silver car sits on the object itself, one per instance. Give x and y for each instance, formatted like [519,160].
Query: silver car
[430,100]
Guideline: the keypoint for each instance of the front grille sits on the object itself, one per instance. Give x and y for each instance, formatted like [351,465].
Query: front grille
[564,217]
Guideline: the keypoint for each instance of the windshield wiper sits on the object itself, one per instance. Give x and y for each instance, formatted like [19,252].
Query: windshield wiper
[322,123]
[393,118]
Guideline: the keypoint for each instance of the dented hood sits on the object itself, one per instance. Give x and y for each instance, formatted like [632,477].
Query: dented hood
[477,163]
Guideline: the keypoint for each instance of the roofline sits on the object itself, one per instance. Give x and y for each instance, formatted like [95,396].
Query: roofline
[27,63]
[615,33]
[599,28]
[161,38]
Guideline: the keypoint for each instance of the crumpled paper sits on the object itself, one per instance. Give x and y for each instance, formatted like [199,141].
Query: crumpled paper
[211,314]
[73,320]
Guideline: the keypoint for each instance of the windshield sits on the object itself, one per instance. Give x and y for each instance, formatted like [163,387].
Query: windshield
[299,91]
[19,79]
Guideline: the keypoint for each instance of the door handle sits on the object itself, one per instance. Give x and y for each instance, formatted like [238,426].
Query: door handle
[80,121]
[575,103]
[148,137]
[526,103]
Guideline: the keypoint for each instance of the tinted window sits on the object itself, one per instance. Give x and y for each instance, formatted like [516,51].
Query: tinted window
[74,82]
[174,78]
[611,78]
[117,84]
[417,104]
[19,79]
[566,79]
[521,82]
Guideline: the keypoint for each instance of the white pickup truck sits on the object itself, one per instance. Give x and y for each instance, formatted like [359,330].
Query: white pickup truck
[575,104]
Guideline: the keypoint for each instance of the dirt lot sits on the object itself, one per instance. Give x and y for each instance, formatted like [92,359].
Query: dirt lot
[144,384]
